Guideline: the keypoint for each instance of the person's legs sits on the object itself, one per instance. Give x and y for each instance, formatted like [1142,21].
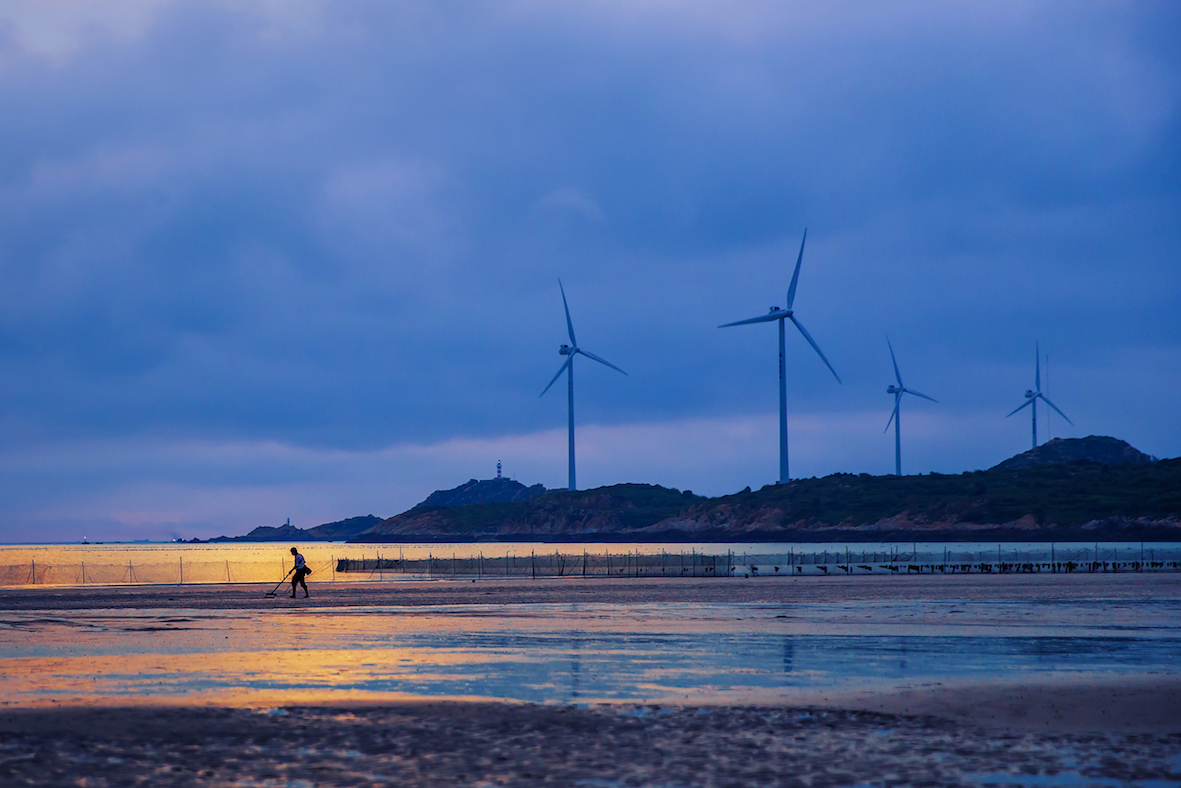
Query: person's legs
[305,586]
[295,578]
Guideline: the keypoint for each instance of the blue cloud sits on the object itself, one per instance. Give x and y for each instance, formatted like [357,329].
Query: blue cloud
[340,227]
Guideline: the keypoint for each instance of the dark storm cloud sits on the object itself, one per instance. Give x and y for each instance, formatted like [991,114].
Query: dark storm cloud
[339,226]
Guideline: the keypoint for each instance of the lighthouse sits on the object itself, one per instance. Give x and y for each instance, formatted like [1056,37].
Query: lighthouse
[498,469]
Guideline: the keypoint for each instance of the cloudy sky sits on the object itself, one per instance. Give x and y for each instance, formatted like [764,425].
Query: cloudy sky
[266,259]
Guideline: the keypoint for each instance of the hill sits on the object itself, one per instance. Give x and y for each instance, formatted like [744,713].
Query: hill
[338,531]
[603,513]
[1094,448]
[483,491]
[1079,500]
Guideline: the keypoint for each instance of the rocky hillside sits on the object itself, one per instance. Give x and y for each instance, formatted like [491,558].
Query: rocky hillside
[1094,448]
[601,513]
[483,491]
[1079,499]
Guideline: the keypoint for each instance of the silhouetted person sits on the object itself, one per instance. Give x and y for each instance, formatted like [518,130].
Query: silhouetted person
[301,571]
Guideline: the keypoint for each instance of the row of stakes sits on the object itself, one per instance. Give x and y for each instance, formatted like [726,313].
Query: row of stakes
[703,565]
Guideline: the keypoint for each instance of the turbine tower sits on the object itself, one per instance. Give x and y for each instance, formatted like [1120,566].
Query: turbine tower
[570,351]
[781,315]
[896,416]
[1031,397]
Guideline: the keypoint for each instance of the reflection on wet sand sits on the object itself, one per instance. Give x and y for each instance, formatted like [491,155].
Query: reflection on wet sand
[891,680]
[571,653]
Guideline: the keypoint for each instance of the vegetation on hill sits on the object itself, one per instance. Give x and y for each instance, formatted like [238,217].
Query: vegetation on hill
[1063,495]
[621,508]
[483,491]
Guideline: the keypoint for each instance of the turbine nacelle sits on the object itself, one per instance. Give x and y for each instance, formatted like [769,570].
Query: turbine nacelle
[1030,394]
[892,389]
[566,350]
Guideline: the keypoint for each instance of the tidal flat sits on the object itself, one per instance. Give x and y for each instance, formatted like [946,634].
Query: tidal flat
[1002,680]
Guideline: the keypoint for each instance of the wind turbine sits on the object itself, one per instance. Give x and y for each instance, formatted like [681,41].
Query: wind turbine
[1031,397]
[781,315]
[570,351]
[896,416]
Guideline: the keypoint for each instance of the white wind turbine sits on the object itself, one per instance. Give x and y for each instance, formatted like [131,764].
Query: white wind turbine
[781,315]
[896,416]
[570,351]
[1031,397]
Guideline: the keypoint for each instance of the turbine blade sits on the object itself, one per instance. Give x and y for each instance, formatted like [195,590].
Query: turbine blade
[795,278]
[569,324]
[561,369]
[893,413]
[897,374]
[767,318]
[600,360]
[1055,407]
[918,394]
[816,347]
[1025,404]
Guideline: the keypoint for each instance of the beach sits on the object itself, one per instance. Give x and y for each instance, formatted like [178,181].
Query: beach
[415,744]
[1002,680]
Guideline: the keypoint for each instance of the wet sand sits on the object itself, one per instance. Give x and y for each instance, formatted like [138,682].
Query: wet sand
[1079,587]
[1048,729]
[435,744]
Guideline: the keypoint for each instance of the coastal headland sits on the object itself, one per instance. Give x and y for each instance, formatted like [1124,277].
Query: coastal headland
[1084,489]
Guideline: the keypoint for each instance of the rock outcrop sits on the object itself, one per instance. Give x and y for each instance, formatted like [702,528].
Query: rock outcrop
[483,491]
[1093,448]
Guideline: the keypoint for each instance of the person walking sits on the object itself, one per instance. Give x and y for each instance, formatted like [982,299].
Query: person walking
[300,572]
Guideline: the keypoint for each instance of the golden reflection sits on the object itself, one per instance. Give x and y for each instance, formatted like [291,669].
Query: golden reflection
[575,652]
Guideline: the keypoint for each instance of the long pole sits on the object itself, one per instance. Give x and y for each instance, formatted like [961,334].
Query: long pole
[898,436]
[783,475]
[570,392]
[1049,430]
[1033,410]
